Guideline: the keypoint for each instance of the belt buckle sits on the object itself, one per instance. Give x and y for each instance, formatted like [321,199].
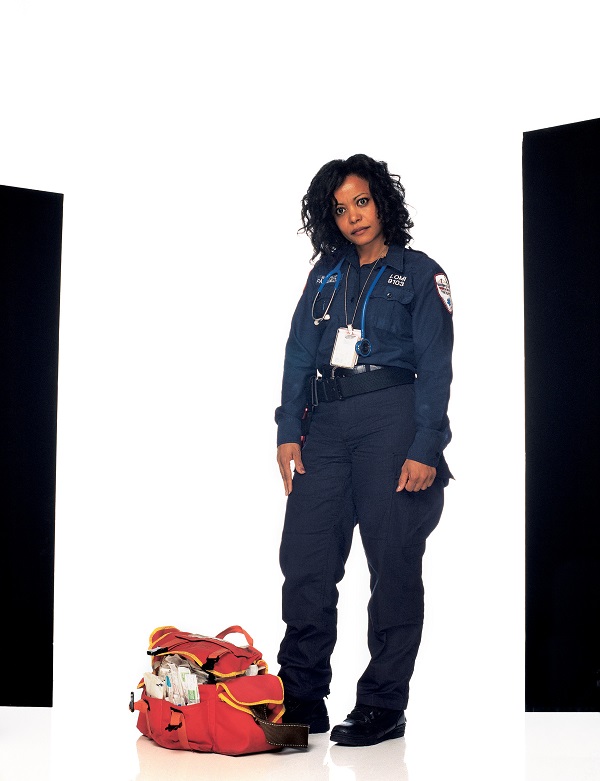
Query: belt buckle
[329,389]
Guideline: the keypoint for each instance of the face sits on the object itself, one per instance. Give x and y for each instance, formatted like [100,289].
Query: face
[355,213]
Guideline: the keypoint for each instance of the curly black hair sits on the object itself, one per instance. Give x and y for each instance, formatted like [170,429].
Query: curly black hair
[388,193]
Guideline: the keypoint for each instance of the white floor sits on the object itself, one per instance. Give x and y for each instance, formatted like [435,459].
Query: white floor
[94,740]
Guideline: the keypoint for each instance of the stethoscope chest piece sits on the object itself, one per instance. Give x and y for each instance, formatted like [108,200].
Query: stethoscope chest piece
[363,347]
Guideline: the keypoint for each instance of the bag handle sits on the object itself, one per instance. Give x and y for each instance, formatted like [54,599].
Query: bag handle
[235,630]
[177,722]
[143,707]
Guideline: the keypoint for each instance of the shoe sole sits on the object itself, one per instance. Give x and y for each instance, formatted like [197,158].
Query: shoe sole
[342,739]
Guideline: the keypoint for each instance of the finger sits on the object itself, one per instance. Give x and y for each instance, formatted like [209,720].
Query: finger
[298,465]
[428,481]
[403,480]
[286,477]
[285,455]
[414,484]
[419,481]
[288,482]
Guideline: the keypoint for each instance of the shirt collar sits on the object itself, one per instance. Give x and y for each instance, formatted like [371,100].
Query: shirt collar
[394,257]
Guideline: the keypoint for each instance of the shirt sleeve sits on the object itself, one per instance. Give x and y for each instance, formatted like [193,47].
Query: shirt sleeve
[433,338]
[299,365]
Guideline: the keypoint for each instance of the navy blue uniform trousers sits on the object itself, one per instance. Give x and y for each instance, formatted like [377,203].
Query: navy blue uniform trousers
[353,457]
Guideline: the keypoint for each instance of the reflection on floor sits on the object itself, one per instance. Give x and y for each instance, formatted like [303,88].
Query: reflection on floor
[91,742]
[323,760]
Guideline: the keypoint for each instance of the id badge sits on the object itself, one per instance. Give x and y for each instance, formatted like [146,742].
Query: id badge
[344,353]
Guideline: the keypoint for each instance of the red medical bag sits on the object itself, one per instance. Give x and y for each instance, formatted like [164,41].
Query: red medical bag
[237,712]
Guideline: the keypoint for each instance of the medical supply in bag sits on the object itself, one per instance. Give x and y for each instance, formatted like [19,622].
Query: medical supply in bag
[208,694]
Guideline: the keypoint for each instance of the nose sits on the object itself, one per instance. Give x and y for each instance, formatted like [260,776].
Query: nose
[354,215]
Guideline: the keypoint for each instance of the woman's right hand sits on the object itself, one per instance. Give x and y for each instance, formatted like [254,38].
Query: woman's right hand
[289,451]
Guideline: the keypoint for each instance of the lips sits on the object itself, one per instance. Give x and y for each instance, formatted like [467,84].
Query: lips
[359,231]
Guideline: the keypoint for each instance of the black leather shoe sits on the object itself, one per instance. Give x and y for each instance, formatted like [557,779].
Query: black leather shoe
[311,712]
[367,725]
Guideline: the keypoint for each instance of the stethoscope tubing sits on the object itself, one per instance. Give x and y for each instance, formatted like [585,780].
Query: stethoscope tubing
[363,345]
[337,270]
[366,301]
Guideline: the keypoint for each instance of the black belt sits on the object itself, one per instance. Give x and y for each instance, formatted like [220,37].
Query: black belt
[352,382]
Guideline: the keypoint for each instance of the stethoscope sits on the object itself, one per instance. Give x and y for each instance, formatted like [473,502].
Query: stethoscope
[363,345]
[326,316]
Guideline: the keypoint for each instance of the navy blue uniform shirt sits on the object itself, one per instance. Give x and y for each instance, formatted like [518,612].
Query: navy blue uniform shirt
[408,322]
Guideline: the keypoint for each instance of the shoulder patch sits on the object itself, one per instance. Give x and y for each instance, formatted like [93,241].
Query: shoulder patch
[443,289]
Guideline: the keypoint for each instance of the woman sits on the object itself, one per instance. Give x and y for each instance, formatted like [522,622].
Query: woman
[369,358]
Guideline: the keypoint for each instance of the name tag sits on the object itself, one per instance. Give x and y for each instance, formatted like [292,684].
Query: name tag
[344,349]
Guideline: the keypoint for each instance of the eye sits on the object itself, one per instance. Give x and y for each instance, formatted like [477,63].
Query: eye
[362,201]
[339,210]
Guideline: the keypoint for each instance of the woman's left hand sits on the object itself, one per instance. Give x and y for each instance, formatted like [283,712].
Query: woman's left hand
[416,476]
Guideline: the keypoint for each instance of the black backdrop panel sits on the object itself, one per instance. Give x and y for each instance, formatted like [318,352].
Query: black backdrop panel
[30,249]
[561,209]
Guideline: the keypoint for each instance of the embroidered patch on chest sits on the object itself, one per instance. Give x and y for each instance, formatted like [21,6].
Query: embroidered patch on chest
[443,289]
[332,278]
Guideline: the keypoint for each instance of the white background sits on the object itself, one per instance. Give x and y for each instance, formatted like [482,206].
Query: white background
[183,136]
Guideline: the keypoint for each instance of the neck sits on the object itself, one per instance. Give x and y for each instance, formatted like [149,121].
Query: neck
[368,255]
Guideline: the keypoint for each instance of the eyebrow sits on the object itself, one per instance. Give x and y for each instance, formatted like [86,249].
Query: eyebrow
[356,197]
